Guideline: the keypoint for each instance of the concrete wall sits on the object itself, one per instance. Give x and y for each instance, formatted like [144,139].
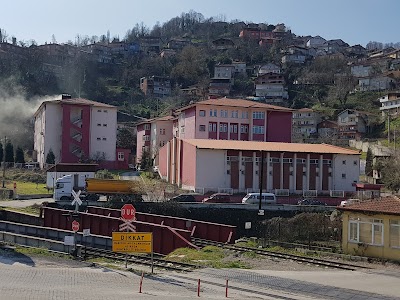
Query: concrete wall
[211,169]
[107,118]
[349,165]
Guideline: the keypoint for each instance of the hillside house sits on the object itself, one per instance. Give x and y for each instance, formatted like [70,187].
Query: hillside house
[304,126]
[156,86]
[390,104]
[271,86]
[352,124]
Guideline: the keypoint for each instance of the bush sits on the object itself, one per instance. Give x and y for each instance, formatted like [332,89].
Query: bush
[29,177]
[104,174]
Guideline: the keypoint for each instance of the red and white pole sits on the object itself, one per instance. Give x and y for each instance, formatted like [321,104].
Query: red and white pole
[226,289]
[141,282]
[198,288]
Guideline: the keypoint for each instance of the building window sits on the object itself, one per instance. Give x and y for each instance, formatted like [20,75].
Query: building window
[202,113]
[300,161]
[146,126]
[104,125]
[258,115]
[202,127]
[212,127]
[233,128]
[344,175]
[104,139]
[182,129]
[343,162]
[245,115]
[258,129]
[394,233]
[162,143]
[213,113]
[355,163]
[98,124]
[314,162]
[235,113]
[162,131]
[244,129]
[105,110]
[121,156]
[224,113]
[223,127]
[99,110]
[99,139]
[287,160]
[365,230]
[327,162]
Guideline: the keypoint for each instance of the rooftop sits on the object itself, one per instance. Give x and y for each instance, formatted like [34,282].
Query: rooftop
[76,101]
[388,205]
[269,146]
[237,103]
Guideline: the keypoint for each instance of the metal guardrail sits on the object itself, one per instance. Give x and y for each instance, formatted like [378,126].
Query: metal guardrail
[47,234]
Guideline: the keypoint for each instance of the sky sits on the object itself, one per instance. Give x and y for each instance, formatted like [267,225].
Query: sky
[354,21]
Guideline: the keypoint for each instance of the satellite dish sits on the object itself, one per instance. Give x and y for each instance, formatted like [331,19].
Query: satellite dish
[334,215]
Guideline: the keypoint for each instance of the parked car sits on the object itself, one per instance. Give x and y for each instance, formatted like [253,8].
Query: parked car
[218,198]
[189,197]
[254,198]
[310,202]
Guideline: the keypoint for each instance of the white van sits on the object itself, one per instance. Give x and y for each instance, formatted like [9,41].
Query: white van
[254,198]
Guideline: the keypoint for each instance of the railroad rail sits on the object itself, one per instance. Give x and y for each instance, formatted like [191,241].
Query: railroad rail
[158,260]
[298,258]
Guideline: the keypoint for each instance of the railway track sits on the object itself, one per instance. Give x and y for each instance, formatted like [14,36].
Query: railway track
[298,258]
[158,261]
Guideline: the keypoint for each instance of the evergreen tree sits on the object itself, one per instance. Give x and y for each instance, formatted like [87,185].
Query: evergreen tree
[50,157]
[9,152]
[368,162]
[19,155]
[1,152]
[145,161]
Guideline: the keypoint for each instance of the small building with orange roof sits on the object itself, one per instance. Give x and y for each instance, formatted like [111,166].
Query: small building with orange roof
[372,228]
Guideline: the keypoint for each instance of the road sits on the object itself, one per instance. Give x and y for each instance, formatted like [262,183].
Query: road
[30,277]
[24,203]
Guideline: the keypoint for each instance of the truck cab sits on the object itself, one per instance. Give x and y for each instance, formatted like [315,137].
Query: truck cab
[63,188]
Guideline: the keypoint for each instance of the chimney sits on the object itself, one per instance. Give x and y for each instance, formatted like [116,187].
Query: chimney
[65,96]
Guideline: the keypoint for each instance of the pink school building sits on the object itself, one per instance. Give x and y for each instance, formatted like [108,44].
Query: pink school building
[206,165]
[218,119]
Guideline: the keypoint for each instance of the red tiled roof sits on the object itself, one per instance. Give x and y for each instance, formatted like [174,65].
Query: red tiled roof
[164,118]
[388,205]
[269,146]
[238,103]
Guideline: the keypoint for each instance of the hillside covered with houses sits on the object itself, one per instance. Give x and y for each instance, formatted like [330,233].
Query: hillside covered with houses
[337,92]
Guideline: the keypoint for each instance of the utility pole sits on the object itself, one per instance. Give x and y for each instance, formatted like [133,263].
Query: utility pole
[388,120]
[4,162]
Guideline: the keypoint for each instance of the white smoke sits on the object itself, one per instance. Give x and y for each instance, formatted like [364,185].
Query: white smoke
[16,115]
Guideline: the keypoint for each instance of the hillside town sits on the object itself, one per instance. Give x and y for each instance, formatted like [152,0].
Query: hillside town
[191,119]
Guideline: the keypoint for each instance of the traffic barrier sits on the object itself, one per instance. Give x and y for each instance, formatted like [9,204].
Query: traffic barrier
[166,239]
[199,229]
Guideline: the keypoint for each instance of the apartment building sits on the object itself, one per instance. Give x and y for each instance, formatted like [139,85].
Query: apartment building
[76,130]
